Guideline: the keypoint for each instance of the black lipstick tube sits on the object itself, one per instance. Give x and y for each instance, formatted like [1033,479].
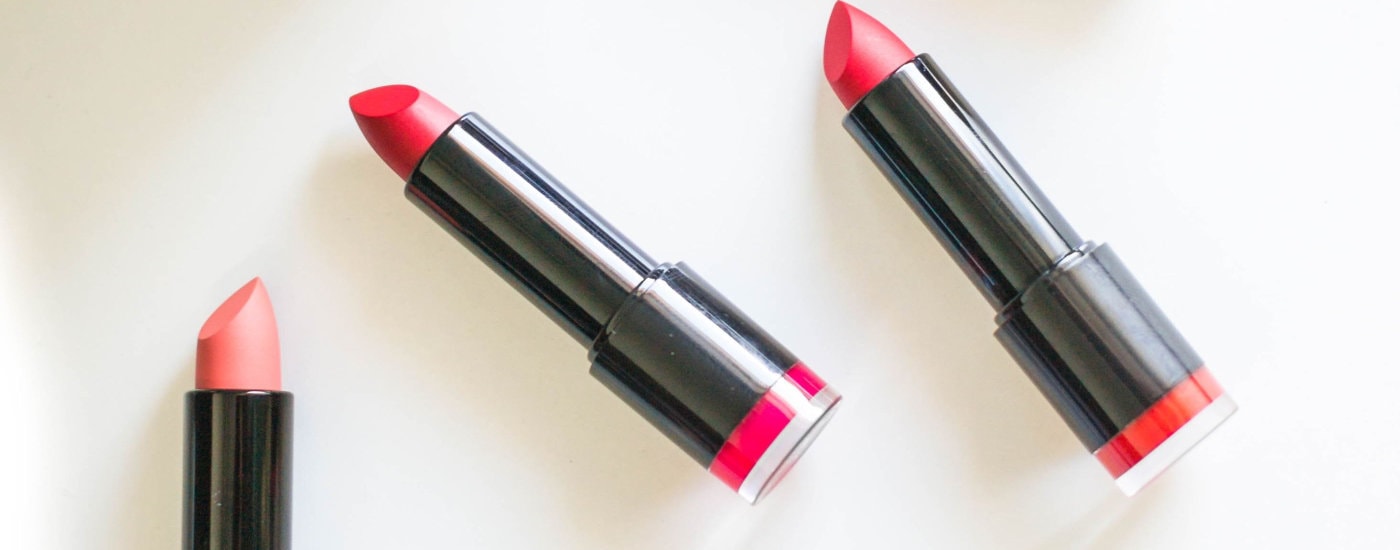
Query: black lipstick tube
[238,463]
[1076,320]
[658,335]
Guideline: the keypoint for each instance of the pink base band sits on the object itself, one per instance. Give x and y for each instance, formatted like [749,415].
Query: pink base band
[750,450]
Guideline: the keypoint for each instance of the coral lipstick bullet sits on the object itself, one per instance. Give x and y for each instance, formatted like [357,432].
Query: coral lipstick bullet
[1068,310]
[238,346]
[238,431]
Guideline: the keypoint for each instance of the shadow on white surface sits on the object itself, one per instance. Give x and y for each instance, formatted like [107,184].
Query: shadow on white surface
[150,515]
[1017,23]
[1091,525]
[123,91]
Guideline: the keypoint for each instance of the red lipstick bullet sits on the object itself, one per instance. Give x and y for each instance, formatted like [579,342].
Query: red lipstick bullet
[860,53]
[400,123]
[1068,310]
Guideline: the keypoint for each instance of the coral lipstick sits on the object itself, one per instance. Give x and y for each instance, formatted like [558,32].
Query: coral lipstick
[1068,310]
[238,347]
[238,431]
[659,336]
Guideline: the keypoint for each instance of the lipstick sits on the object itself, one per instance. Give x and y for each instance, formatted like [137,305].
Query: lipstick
[1068,310]
[238,431]
[658,335]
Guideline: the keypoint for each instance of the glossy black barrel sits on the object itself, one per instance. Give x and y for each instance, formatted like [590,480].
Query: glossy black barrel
[556,250]
[959,178]
[1094,342]
[660,337]
[688,360]
[238,465]
[1068,310]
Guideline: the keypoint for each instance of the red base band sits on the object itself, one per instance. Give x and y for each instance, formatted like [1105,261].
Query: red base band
[1159,422]
[756,432]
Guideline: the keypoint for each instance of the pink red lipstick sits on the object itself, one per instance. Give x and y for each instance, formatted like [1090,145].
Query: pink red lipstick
[238,431]
[1069,311]
[860,53]
[659,336]
[400,123]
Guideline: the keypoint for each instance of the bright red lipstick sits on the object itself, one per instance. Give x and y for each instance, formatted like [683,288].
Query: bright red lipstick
[238,347]
[401,123]
[1068,310]
[860,52]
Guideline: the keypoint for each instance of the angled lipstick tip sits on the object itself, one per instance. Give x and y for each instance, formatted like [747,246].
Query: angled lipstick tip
[860,53]
[238,347]
[400,122]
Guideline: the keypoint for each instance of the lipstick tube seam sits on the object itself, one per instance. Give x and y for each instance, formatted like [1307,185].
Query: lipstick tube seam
[1068,310]
[660,337]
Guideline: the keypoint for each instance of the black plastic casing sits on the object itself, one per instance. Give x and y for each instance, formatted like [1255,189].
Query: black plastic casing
[238,465]
[1068,310]
[658,336]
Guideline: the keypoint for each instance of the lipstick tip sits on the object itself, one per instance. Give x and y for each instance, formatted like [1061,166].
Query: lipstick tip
[860,52]
[238,346]
[400,122]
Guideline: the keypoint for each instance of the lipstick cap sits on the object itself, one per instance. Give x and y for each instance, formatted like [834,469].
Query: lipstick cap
[712,380]
[1113,365]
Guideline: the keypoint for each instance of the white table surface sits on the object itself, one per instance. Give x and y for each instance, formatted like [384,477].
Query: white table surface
[156,155]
